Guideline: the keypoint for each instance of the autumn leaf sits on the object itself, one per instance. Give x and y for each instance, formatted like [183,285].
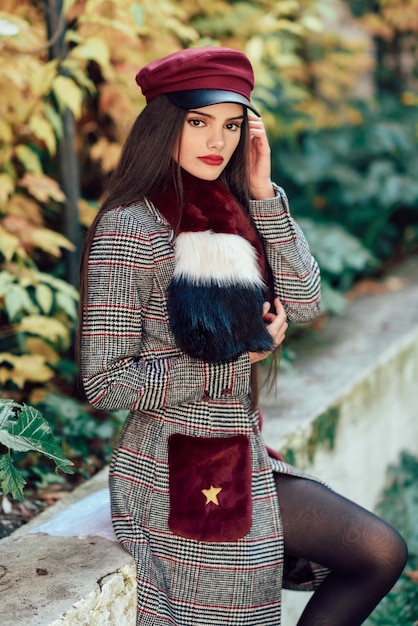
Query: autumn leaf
[42,187]
[29,159]
[68,94]
[10,244]
[31,236]
[41,81]
[43,131]
[50,241]
[24,368]
[93,49]
[115,102]
[44,297]
[21,206]
[107,153]
[36,345]
[43,326]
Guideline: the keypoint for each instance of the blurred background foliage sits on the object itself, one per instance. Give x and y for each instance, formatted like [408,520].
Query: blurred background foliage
[336,81]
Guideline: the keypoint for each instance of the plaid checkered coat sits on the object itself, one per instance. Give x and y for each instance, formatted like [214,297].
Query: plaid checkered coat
[130,361]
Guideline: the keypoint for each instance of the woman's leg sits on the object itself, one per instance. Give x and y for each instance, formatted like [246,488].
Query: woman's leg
[365,554]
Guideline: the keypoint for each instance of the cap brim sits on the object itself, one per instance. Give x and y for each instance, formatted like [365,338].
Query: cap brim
[196,98]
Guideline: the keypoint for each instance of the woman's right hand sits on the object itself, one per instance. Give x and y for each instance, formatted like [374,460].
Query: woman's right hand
[276,324]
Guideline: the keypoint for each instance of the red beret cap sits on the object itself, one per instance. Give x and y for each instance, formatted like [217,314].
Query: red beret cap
[211,70]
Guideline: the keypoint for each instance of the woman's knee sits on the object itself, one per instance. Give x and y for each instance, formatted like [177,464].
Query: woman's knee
[385,554]
[396,550]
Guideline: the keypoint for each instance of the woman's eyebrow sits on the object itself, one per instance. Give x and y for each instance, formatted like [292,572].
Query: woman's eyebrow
[229,119]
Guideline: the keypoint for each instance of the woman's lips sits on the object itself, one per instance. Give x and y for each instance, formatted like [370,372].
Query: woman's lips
[212,159]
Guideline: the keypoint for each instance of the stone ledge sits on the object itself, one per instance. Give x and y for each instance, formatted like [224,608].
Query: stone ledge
[66,581]
[345,411]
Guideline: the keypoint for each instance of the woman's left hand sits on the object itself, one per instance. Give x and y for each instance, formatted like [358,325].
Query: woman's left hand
[276,325]
[259,160]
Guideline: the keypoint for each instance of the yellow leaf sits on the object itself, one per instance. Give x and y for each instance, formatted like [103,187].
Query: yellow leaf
[6,154]
[25,368]
[36,345]
[47,327]
[41,81]
[68,95]
[42,187]
[29,159]
[93,49]
[50,241]
[31,236]
[9,244]
[67,4]
[6,132]
[7,186]
[44,297]
[42,130]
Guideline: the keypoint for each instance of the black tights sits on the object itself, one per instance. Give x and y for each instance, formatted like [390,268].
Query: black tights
[366,555]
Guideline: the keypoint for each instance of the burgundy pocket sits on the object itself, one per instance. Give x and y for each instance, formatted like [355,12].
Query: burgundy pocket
[210,487]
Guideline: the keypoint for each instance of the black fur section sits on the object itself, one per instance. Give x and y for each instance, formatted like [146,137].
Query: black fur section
[216,323]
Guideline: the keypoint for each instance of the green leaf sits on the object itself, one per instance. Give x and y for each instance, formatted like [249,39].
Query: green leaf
[11,479]
[54,118]
[66,303]
[17,299]
[332,300]
[6,411]
[334,248]
[30,431]
[6,279]
[57,284]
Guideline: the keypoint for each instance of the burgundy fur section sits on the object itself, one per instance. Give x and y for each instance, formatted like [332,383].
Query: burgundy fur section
[197,463]
[208,205]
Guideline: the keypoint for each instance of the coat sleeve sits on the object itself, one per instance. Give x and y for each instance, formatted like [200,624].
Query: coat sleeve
[295,272]
[117,370]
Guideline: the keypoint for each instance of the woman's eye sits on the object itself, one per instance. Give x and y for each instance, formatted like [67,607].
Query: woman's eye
[196,123]
[233,126]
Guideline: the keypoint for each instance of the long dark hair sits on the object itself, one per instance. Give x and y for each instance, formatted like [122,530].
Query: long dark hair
[146,167]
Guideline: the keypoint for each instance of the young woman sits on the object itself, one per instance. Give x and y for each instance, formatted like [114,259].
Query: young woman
[191,271]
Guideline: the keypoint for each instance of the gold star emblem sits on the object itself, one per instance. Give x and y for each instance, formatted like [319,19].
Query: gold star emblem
[212,494]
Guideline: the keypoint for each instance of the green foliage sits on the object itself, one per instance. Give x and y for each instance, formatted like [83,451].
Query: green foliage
[341,256]
[22,428]
[362,178]
[87,437]
[399,506]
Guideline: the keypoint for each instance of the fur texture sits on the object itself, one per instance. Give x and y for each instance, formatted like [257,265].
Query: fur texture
[216,296]
[198,463]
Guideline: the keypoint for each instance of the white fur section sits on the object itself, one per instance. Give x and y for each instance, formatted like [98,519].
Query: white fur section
[219,257]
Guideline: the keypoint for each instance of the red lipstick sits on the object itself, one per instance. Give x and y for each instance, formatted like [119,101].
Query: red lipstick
[212,159]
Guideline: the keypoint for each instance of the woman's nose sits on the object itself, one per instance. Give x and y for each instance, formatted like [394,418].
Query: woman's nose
[216,139]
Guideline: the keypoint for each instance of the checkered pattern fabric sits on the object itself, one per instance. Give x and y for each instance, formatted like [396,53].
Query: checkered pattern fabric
[130,361]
